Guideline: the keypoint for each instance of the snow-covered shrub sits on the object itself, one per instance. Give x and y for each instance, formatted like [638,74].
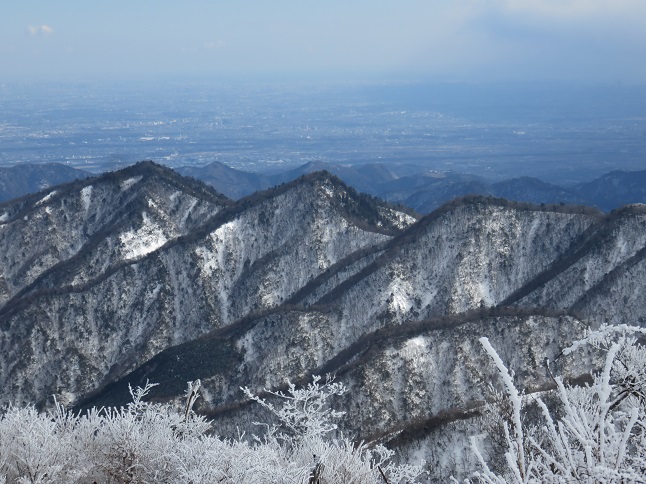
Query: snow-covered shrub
[599,434]
[154,443]
[304,412]
[36,449]
[304,422]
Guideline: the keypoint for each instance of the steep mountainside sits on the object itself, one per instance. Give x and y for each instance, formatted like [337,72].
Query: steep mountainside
[615,189]
[414,186]
[424,191]
[144,283]
[402,330]
[603,273]
[471,255]
[237,183]
[47,229]
[18,180]
[143,274]
[232,183]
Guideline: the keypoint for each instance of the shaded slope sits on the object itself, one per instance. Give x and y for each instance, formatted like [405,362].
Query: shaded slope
[599,260]
[129,308]
[440,266]
[40,231]
[229,181]
[19,180]
[615,189]
[312,277]
[423,371]
[426,193]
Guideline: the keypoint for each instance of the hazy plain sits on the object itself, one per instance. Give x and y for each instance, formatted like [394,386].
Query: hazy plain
[563,133]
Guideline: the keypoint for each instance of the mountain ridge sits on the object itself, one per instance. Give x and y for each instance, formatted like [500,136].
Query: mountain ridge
[19,180]
[425,190]
[319,194]
[309,277]
[414,186]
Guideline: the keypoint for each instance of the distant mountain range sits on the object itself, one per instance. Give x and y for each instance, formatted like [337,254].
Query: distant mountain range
[406,184]
[424,191]
[143,274]
[19,180]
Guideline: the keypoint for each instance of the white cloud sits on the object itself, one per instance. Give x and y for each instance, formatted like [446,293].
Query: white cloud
[219,44]
[536,39]
[573,9]
[40,30]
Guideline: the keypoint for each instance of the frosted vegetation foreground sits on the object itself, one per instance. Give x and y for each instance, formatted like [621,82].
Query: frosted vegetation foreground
[591,433]
[594,433]
[151,443]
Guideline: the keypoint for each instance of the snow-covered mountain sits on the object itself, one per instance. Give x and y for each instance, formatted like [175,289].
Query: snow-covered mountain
[143,274]
[132,210]
[414,186]
[143,259]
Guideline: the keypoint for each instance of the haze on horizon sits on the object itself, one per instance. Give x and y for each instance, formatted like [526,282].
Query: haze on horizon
[464,40]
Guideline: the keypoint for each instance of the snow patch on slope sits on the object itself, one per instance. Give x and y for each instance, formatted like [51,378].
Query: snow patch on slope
[146,239]
[46,198]
[4,217]
[329,191]
[400,291]
[485,290]
[86,197]
[189,211]
[399,219]
[126,184]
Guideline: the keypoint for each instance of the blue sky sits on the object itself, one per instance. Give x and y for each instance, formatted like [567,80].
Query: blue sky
[592,40]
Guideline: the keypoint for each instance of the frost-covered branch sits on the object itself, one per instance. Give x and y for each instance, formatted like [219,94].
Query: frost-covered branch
[144,442]
[304,411]
[600,435]
[517,404]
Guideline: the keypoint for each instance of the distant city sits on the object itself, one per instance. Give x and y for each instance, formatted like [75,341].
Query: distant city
[559,133]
